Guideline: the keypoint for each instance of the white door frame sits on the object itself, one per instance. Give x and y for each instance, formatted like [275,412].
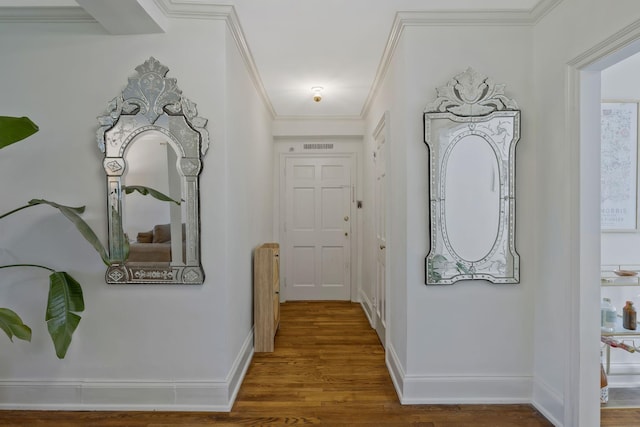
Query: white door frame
[353,158]
[583,82]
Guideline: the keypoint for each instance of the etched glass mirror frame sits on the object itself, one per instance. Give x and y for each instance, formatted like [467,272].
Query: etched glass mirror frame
[471,131]
[152,104]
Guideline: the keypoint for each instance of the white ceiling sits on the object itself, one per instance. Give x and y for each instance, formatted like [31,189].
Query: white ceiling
[297,44]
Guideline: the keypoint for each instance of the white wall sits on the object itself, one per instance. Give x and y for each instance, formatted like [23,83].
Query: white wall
[566,392]
[479,317]
[249,192]
[511,342]
[136,346]
[389,99]
[470,342]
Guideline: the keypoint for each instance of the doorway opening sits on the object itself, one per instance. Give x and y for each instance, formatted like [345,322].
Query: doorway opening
[584,74]
[620,236]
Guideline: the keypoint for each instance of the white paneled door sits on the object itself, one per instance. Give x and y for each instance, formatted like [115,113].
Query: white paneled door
[318,228]
[380,294]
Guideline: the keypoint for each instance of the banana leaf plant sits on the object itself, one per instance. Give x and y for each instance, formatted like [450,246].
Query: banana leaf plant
[65,299]
[65,293]
[14,129]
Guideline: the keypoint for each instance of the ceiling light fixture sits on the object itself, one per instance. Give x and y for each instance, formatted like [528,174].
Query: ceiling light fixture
[317,93]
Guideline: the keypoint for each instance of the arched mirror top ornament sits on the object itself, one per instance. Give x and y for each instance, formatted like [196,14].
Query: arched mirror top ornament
[157,181]
[471,130]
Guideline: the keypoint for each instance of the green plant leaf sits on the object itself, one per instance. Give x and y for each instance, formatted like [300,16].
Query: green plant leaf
[14,129]
[12,325]
[65,298]
[128,189]
[72,213]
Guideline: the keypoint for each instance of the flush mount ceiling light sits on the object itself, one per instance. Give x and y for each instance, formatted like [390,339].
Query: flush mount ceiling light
[317,93]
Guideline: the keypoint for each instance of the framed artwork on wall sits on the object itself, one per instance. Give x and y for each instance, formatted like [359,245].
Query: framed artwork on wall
[619,166]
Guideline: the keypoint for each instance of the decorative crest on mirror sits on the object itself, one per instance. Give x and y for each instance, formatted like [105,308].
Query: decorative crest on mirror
[471,131]
[471,94]
[153,141]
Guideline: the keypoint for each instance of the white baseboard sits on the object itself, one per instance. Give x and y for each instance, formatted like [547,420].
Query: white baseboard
[549,402]
[115,395]
[239,368]
[367,307]
[143,395]
[416,389]
[396,371]
[447,389]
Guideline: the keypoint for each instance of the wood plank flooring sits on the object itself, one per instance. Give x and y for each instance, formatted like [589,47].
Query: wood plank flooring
[328,369]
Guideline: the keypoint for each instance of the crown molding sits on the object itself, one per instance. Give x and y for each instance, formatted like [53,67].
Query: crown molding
[194,9]
[300,118]
[172,9]
[541,9]
[404,19]
[330,137]
[610,46]
[44,14]
[197,10]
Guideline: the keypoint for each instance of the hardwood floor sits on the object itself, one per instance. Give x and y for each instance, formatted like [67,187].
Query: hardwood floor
[328,369]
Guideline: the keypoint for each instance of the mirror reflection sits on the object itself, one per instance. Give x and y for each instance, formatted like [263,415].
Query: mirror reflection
[471,131]
[153,141]
[472,198]
[154,228]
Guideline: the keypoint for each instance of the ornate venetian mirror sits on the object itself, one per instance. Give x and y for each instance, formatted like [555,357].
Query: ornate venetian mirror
[471,131]
[153,142]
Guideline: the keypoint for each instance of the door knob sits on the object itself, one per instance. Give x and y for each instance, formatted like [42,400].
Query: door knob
[346,218]
[382,247]
[346,234]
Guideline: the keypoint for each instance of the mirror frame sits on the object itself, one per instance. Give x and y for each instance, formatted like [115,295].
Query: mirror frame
[152,102]
[465,106]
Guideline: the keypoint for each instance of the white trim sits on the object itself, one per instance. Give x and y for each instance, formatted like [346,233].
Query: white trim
[115,395]
[578,386]
[239,368]
[195,10]
[198,10]
[443,389]
[541,9]
[452,389]
[450,18]
[132,395]
[330,138]
[613,45]
[170,8]
[341,118]
[548,402]
[572,380]
[396,371]
[366,305]
[44,14]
